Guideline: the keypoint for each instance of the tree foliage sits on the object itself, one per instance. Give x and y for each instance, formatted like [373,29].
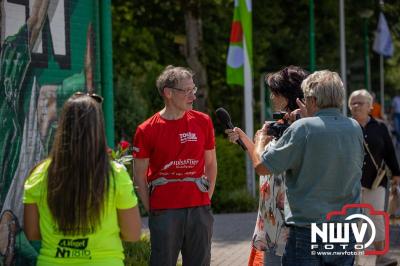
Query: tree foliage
[147,36]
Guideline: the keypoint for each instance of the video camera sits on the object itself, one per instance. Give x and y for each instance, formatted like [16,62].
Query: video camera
[277,128]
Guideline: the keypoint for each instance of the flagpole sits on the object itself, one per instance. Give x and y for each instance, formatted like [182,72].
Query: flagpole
[248,113]
[382,84]
[382,75]
[262,100]
[312,36]
[239,70]
[343,54]
[365,15]
[383,45]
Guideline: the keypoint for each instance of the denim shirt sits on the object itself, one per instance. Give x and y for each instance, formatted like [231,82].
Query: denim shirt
[323,158]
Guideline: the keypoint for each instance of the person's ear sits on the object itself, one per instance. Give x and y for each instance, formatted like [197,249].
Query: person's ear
[314,105]
[167,93]
[314,101]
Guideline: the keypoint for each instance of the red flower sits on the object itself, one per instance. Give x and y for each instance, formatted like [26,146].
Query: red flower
[124,145]
[265,191]
[120,154]
[260,223]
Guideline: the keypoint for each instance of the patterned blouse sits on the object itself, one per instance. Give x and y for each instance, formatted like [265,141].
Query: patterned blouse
[270,231]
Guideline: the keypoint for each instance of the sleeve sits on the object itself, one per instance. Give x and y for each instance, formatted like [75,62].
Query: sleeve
[140,144]
[286,154]
[210,135]
[30,193]
[33,184]
[389,153]
[125,194]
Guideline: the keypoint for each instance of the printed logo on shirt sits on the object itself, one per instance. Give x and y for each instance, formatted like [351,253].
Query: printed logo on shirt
[168,165]
[189,173]
[73,248]
[135,149]
[187,163]
[188,136]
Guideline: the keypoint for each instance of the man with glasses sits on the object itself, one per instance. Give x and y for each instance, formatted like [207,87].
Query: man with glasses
[175,171]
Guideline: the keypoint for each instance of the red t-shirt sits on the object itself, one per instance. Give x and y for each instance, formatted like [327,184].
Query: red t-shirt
[175,149]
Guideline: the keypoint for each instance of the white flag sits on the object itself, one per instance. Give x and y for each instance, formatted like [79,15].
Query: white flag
[383,44]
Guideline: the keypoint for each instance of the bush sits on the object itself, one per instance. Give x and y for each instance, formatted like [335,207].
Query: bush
[138,253]
[136,99]
[230,190]
[131,108]
[238,200]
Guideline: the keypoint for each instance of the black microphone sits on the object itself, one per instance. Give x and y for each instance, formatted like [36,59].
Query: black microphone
[224,117]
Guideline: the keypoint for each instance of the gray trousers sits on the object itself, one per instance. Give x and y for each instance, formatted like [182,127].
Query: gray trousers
[188,230]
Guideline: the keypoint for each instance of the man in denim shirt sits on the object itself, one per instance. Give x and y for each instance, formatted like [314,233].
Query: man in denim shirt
[322,156]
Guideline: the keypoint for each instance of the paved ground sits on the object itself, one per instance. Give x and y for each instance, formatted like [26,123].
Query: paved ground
[231,238]
[232,234]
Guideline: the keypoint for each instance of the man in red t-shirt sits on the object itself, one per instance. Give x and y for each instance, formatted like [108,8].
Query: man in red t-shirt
[175,171]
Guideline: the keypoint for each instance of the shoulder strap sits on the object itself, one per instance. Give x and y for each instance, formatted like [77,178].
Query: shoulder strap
[370,155]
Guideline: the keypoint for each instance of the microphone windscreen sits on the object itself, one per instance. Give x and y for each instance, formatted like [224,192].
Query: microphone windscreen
[223,116]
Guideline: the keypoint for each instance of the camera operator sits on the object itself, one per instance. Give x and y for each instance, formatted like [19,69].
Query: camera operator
[322,156]
[270,234]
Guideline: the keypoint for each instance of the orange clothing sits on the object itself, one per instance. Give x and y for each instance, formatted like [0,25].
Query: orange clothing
[256,257]
[376,110]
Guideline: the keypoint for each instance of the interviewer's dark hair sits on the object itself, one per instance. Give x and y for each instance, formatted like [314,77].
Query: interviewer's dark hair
[287,83]
[78,176]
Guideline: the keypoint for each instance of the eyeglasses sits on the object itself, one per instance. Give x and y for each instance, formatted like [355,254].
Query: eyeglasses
[357,103]
[187,91]
[94,96]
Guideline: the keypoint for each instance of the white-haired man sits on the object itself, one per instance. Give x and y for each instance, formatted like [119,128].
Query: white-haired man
[322,156]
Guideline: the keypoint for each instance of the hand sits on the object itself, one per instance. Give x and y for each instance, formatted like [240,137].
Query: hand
[261,138]
[234,134]
[302,106]
[293,116]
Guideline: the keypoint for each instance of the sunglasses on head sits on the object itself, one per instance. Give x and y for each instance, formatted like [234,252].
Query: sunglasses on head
[94,96]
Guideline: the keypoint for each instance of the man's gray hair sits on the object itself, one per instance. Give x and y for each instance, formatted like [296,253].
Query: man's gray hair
[326,87]
[171,77]
[364,93]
